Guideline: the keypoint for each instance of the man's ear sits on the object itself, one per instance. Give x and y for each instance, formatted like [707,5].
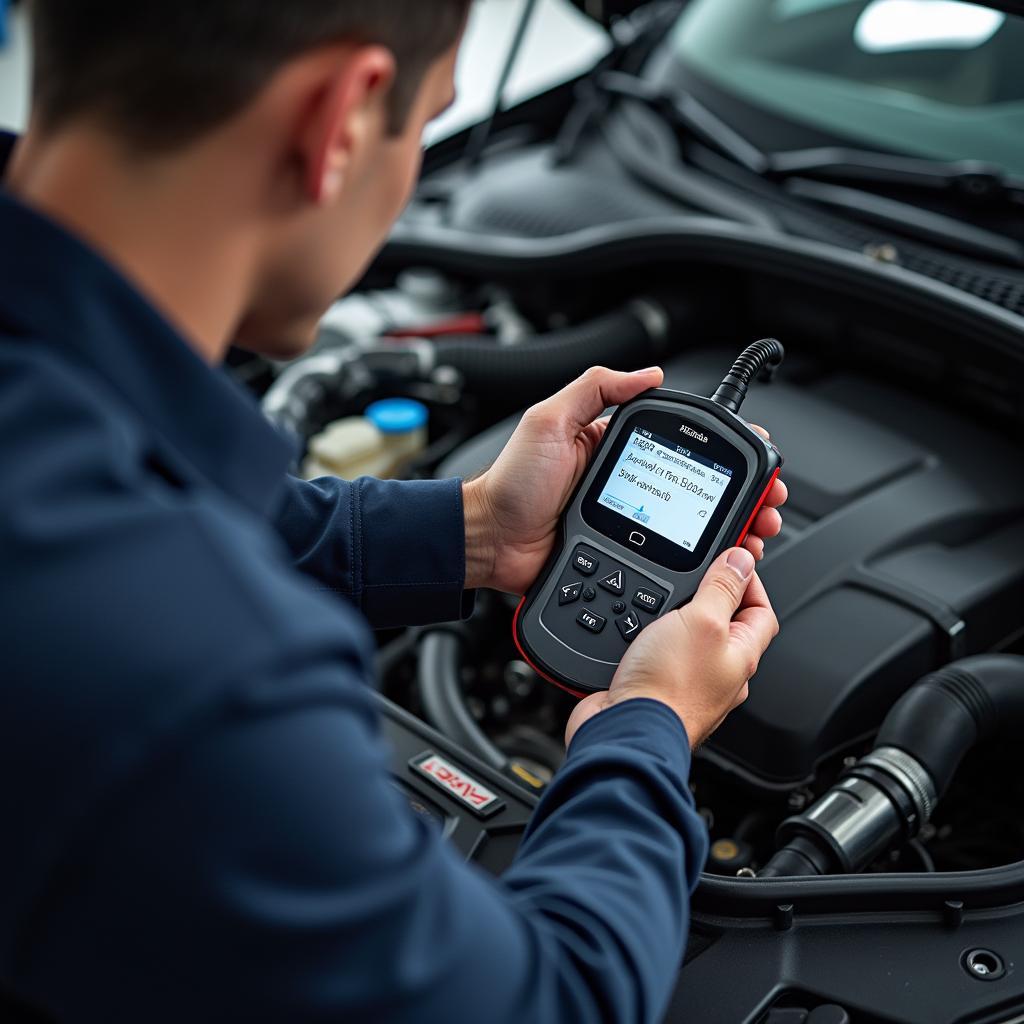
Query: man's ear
[349,106]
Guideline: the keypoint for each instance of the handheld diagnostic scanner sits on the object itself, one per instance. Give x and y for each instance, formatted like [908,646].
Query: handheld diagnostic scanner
[675,481]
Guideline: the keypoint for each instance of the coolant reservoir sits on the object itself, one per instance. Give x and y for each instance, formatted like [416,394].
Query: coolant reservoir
[376,444]
[402,424]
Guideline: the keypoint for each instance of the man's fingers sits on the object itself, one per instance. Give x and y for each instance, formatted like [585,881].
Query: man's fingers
[593,433]
[755,546]
[723,588]
[755,595]
[580,402]
[768,523]
[778,495]
[755,624]
[760,430]
[753,630]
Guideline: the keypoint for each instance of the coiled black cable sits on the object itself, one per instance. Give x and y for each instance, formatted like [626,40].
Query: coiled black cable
[758,360]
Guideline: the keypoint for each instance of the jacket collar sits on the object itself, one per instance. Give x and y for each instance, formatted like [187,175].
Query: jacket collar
[61,294]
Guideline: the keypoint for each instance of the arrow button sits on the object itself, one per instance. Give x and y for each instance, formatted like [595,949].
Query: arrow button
[613,582]
[629,625]
[569,592]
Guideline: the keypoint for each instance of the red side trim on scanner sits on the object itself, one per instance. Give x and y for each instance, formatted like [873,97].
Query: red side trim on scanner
[757,507]
[527,659]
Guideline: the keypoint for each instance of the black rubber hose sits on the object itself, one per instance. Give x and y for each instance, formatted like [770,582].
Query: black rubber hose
[443,701]
[950,711]
[889,794]
[515,375]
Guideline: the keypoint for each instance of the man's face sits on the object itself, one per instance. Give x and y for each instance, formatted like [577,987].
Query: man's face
[328,248]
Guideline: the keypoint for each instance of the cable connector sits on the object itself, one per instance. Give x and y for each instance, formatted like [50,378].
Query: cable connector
[760,361]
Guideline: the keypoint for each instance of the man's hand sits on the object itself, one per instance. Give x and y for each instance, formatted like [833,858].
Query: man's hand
[512,510]
[697,659]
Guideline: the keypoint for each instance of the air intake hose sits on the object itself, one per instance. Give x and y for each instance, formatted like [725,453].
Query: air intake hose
[514,375]
[890,793]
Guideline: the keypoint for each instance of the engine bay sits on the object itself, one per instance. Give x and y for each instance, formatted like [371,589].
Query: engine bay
[898,410]
[899,552]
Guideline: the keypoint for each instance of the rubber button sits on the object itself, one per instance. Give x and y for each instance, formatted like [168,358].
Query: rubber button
[629,625]
[585,562]
[569,592]
[649,600]
[613,582]
[589,620]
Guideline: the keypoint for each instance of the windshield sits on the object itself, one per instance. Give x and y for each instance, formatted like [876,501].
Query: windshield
[928,78]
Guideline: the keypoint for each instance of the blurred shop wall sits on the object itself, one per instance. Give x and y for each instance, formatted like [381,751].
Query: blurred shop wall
[561,43]
[14,68]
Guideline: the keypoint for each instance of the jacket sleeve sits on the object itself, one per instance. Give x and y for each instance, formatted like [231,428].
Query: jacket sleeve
[272,872]
[397,549]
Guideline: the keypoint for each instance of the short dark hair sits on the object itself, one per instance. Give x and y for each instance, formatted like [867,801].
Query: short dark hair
[161,73]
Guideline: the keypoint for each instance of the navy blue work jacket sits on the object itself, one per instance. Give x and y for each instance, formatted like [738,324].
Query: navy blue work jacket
[185,679]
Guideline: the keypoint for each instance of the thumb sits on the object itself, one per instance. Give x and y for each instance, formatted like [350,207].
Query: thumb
[582,401]
[722,589]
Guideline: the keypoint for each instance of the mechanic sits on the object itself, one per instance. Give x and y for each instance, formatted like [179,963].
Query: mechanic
[198,818]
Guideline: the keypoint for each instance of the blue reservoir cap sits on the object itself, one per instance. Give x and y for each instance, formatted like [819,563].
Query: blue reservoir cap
[397,415]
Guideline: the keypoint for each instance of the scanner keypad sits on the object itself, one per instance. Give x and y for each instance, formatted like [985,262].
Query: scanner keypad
[578,611]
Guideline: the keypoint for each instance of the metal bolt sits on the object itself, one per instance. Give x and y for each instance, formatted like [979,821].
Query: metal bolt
[984,964]
[882,252]
[520,678]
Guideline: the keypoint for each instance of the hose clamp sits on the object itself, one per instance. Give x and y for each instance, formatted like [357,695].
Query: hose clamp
[910,774]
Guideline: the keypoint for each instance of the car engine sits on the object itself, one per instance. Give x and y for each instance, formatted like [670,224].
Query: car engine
[901,546]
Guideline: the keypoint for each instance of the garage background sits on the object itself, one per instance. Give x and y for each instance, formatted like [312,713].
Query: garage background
[561,43]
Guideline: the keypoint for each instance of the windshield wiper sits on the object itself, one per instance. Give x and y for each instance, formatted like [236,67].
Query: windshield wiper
[969,178]
[908,219]
[970,181]
[688,113]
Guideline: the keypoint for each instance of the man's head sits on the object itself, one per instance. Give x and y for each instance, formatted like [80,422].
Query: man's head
[335,95]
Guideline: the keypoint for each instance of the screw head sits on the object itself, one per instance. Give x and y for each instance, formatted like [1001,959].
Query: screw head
[983,964]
